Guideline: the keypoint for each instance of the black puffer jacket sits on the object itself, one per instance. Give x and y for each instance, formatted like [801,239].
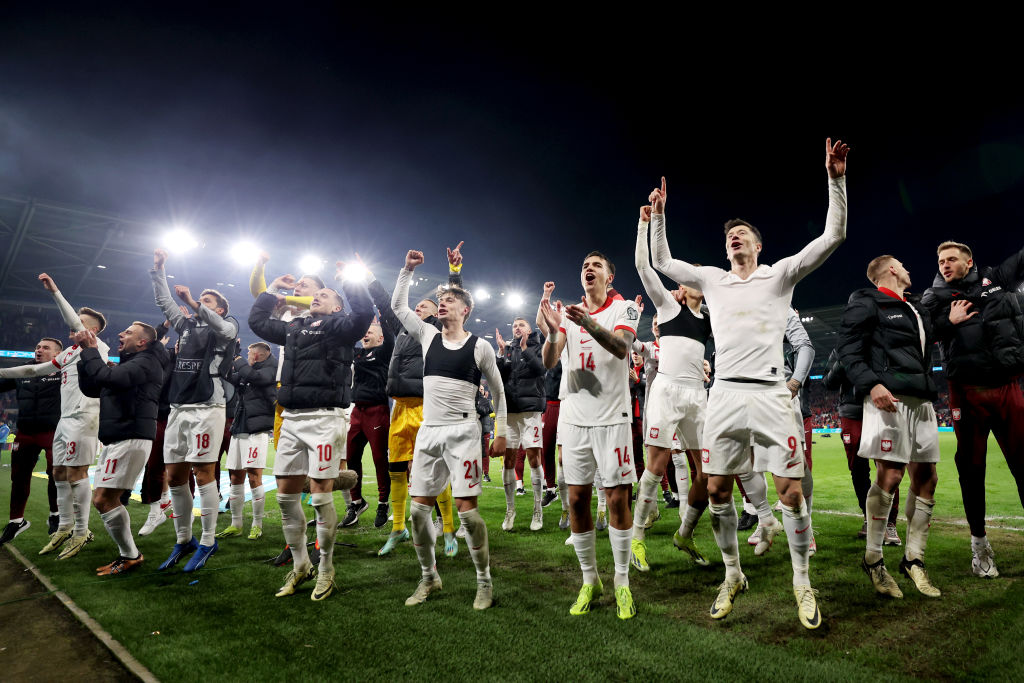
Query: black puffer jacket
[851,406]
[522,373]
[405,371]
[553,381]
[129,392]
[988,348]
[318,350]
[38,402]
[371,371]
[880,343]
[256,386]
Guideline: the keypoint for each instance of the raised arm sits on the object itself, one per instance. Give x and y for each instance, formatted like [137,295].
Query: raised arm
[33,370]
[802,347]
[484,354]
[642,259]
[618,342]
[400,299]
[162,293]
[349,327]
[223,327]
[680,271]
[455,265]
[550,318]
[69,314]
[260,322]
[814,254]
[258,279]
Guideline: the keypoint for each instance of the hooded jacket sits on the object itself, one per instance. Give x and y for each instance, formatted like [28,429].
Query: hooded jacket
[129,392]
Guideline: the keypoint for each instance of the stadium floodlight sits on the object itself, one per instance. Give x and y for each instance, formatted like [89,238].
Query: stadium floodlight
[354,271]
[179,240]
[514,300]
[481,294]
[245,253]
[311,263]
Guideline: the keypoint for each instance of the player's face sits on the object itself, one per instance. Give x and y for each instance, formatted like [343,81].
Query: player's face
[740,242]
[595,276]
[425,309]
[654,328]
[373,337]
[46,351]
[902,274]
[210,301]
[305,287]
[954,264]
[131,340]
[325,302]
[519,328]
[638,360]
[451,308]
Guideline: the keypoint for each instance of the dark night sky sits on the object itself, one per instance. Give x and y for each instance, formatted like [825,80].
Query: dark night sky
[532,139]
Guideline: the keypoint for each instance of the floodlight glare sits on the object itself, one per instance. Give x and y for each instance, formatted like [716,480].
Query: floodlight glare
[245,253]
[514,300]
[354,271]
[481,294]
[179,240]
[310,264]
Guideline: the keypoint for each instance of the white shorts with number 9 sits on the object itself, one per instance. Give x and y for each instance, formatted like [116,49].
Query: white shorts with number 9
[311,446]
[447,453]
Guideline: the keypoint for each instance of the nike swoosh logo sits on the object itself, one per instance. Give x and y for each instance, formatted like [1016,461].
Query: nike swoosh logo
[107,478]
[199,455]
[800,531]
[878,519]
[324,468]
[472,485]
[792,464]
[377,427]
[205,514]
[625,474]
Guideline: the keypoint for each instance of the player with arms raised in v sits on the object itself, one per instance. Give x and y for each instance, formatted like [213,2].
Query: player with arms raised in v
[595,419]
[749,399]
[448,441]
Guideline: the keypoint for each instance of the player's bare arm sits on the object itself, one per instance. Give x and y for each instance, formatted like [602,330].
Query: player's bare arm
[555,342]
[617,343]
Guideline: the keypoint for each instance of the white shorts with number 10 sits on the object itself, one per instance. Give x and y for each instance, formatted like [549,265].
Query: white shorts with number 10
[248,451]
[311,446]
[447,453]
[604,451]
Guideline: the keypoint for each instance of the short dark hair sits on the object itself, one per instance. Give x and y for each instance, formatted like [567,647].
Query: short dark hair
[222,301]
[100,318]
[148,330]
[315,278]
[608,261]
[461,294]
[262,345]
[878,266]
[733,222]
[58,342]
[950,244]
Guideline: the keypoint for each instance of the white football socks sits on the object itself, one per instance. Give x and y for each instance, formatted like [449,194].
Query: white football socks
[797,521]
[537,480]
[209,500]
[878,504]
[65,506]
[919,519]
[645,501]
[236,502]
[259,501]
[723,522]
[424,538]
[508,480]
[563,489]
[690,518]
[682,468]
[756,489]
[81,499]
[326,528]
[621,541]
[476,539]
[181,512]
[586,550]
[293,524]
[118,525]
[602,501]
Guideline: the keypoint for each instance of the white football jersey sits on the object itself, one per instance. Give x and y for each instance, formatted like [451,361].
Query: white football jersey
[72,400]
[597,383]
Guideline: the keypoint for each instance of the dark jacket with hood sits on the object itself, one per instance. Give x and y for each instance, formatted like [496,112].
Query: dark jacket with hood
[129,392]
[256,395]
[522,373]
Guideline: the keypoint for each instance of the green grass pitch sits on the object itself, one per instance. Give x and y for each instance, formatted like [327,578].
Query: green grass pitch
[224,623]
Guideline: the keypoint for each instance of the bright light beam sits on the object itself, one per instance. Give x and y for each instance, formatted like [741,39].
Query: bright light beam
[179,240]
[354,272]
[245,253]
[310,263]
[482,294]
[514,300]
